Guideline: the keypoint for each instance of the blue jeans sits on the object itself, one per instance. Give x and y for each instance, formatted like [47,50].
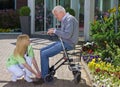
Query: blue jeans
[50,51]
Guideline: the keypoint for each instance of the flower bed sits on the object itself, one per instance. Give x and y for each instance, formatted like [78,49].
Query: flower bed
[101,73]
[9,30]
[104,73]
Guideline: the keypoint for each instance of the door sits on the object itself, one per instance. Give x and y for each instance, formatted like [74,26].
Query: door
[43,13]
[65,4]
[39,15]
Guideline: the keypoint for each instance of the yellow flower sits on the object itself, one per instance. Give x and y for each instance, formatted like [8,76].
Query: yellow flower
[112,10]
[91,66]
[108,65]
[105,18]
[93,60]
[97,66]
[99,59]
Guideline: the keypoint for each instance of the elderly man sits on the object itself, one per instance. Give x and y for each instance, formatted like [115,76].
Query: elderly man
[69,33]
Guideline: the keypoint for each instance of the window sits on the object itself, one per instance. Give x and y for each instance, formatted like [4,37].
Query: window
[64,3]
[7,4]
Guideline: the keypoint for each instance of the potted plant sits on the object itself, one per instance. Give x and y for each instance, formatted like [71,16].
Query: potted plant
[25,19]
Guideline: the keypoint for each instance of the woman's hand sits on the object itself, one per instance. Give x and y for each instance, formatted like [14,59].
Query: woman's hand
[38,75]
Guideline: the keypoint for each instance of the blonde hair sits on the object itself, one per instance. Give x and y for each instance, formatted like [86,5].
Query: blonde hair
[58,9]
[21,45]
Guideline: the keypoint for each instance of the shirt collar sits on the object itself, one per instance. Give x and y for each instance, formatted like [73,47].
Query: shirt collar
[65,16]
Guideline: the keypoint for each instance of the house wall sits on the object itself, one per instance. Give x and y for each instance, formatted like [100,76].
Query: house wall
[20,3]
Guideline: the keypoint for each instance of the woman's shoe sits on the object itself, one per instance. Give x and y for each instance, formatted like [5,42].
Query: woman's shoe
[28,79]
[14,78]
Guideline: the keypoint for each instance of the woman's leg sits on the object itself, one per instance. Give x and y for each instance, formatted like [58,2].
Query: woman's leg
[16,71]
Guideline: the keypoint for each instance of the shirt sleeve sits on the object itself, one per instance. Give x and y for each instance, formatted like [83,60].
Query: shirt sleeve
[54,30]
[20,60]
[30,51]
[66,30]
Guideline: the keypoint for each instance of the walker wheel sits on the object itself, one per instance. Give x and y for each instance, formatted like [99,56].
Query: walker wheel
[74,73]
[48,78]
[77,77]
[71,67]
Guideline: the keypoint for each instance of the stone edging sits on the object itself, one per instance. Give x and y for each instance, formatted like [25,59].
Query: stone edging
[90,76]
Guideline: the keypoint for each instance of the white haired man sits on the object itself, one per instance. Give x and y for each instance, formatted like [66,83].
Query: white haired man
[69,33]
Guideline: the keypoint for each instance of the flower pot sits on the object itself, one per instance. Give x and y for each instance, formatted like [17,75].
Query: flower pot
[25,24]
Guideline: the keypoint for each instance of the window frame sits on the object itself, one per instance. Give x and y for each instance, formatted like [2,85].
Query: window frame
[7,4]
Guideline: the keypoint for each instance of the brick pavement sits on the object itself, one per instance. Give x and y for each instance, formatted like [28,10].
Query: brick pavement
[63,74]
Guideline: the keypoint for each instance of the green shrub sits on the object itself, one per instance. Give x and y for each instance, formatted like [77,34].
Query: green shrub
[9,19]
[71,11]
[103,34]
[5,30]
[24,11]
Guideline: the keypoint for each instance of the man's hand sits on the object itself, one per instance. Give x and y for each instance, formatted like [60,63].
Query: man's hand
[50,31]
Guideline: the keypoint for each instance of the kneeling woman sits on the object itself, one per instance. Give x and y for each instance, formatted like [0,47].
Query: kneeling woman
[20,61]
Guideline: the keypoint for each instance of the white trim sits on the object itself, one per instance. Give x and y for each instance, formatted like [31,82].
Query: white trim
[54,19]
[31,4]
[10,33]
[44,15]
[74,5]
[101,5]
[112,3]
[15,5]
[88,17]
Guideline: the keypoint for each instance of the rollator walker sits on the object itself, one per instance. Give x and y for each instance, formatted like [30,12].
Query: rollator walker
[65,60]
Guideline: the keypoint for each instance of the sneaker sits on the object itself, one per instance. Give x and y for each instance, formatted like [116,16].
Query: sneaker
[14,78]
[28,79]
